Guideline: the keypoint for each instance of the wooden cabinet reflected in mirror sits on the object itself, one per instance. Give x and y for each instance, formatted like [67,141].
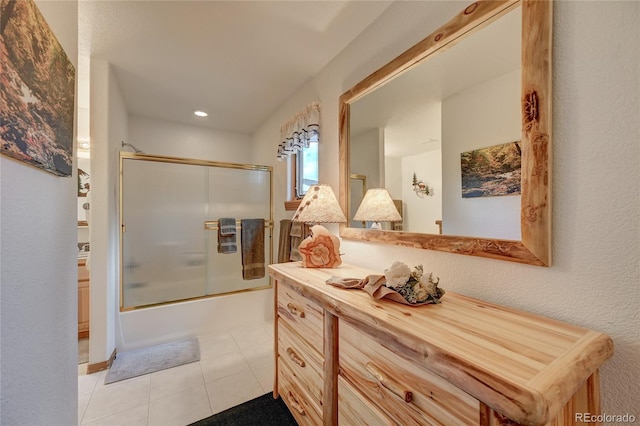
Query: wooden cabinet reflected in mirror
[433,106]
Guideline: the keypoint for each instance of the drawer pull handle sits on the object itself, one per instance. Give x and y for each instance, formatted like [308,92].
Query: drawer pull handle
[295,310]
[388,383]
[295,357]
[295,404]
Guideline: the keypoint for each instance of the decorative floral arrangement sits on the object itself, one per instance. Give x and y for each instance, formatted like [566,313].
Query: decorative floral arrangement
[415,286]
[398,284]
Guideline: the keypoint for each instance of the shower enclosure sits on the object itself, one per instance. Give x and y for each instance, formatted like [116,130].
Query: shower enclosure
[169,216]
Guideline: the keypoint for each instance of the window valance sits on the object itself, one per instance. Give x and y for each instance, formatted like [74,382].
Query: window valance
[302,129]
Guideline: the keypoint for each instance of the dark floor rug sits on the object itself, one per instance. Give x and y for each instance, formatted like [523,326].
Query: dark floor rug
[262,411]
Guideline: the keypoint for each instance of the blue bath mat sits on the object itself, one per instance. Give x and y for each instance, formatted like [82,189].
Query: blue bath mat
[143,361]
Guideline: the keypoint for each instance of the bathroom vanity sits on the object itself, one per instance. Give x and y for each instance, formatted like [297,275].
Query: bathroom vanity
[345,358]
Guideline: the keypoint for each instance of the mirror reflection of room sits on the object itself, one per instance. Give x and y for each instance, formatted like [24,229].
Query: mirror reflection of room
[83,208]
[410,134]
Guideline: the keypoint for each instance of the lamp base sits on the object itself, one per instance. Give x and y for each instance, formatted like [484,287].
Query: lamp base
[321,249]
[376,225]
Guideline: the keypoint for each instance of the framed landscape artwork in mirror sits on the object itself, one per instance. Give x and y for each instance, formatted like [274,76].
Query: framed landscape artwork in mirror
[480,80]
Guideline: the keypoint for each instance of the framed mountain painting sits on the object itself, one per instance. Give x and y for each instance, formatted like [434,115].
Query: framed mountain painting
[37,90]
[492,171]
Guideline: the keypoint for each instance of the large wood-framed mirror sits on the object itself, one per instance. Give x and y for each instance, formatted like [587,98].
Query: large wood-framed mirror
[525,108]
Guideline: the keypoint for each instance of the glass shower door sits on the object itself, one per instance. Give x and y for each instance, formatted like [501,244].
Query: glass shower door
[239,194]
[163,242]
[170,210]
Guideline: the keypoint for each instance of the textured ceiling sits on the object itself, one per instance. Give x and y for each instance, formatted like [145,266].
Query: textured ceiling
[237,60]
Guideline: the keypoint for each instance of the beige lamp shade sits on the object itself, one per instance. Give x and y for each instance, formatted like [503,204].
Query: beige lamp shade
[377,206]
[319,205]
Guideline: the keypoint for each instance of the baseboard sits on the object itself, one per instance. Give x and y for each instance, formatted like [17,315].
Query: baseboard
[104,365]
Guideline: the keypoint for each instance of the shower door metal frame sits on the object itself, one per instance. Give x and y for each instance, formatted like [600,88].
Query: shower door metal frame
[207,226]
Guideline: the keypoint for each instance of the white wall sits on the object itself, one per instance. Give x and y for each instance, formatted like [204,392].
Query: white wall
[491,116]
[39,322]
[108,126]
[393,177]
[159,137]
[421,213]
[596,215]
[367,152]
[366,156]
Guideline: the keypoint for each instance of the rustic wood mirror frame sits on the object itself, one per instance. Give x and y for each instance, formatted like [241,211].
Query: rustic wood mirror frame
[536,96]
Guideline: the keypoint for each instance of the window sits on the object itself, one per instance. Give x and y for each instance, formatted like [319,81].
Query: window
[306,169]
[299,146]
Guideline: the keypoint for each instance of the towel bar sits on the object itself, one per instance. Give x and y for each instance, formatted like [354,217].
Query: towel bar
[212,225]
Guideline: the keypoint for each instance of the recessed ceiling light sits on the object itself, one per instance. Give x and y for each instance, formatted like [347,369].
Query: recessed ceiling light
[200,113]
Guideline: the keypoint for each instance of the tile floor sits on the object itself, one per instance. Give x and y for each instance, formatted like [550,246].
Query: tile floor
[234,367]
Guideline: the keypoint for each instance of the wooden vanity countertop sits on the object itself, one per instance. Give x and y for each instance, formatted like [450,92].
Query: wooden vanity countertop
[523,365]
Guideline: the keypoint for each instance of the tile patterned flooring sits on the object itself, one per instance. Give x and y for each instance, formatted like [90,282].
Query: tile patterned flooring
[234,367]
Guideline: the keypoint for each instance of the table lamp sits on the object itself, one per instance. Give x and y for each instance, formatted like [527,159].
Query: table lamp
[377,206]
[321,249]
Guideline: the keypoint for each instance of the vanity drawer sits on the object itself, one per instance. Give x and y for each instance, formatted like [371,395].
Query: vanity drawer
[389,381]
[355,409]
[302,315]
[305,410]
[303,361]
